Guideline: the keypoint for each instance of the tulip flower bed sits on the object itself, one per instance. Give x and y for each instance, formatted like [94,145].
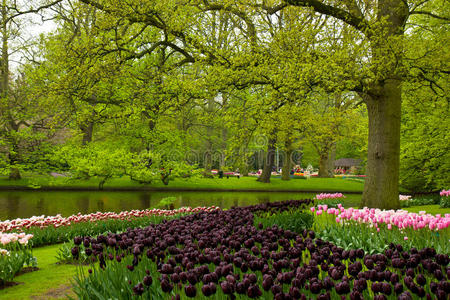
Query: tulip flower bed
[331,200]
[329,196]
[56,229]
[288,215]
[15,256]
[58,220]
[374,229]
[223,255]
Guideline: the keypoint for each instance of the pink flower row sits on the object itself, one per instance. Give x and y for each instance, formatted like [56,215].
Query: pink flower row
[8,238]
[398,218]
[329,196]
[445,193]
[58,220]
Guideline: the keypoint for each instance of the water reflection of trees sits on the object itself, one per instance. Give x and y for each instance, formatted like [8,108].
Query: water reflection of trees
[12,206]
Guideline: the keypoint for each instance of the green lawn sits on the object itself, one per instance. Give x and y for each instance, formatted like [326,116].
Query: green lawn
[431,209]
[244,183]
[51,281]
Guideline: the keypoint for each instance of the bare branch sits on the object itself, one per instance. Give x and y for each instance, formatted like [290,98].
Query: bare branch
[30,11]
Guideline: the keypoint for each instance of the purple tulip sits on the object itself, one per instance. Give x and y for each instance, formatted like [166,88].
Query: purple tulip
[227,288]
[138,289]
[241,288]
[190,291]
[253,291]
[77,240]
[75,252]
[276,289]
[166,286]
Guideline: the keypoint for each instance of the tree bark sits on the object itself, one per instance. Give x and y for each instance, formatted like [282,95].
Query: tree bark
[383,102]
[14,173]
[383,157]
[87,130]
[269,161]
[331,159]
[326,162]
[287,163]
[323,165]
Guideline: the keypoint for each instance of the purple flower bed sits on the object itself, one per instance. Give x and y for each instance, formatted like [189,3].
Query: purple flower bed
[222,253]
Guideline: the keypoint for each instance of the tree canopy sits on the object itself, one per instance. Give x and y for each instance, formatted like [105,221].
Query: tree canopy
[141,87]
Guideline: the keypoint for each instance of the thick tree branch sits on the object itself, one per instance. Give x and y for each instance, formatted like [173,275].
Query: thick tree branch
[187,56]
[358,22]
[427,13]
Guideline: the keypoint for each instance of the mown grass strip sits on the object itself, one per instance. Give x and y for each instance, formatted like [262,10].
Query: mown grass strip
[52,280]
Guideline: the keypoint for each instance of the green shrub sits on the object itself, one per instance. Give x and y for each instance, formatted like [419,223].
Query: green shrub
[445,202]
[166,203]
[417,202]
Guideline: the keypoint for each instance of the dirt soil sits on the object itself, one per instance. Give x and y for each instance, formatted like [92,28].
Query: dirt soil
[60,292]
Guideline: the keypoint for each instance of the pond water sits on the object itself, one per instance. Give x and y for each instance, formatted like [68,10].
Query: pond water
[24,204]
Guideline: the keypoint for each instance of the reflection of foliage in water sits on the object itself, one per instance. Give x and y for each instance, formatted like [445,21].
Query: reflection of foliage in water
[166,202]
[24,204]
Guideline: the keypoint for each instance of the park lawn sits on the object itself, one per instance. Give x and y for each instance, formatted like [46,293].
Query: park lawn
[233,183]
[51,281]
[430,209]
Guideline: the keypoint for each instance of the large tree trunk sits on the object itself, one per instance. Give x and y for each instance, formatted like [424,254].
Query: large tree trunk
[14,173]
[383,157]
[384,109]
[323,165]
[243,166]
[88,130]
[326,163]
[287,161]
[269,161]
[331,159]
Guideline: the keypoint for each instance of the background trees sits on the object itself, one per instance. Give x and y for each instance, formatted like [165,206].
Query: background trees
[200,83]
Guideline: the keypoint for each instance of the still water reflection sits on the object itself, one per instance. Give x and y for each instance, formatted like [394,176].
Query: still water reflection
[23,204]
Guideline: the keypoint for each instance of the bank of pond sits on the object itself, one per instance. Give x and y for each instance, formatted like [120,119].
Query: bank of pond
[24,204]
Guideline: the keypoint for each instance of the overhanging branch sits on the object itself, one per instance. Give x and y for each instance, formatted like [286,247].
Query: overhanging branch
[359,23]
[430,14]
